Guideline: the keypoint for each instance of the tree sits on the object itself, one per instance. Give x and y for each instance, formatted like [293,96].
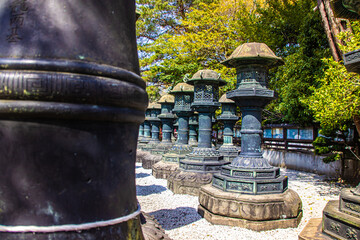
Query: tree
[336,103]
[202,37]
[294,31]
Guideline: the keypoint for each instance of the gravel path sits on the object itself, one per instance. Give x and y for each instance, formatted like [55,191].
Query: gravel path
[178,213]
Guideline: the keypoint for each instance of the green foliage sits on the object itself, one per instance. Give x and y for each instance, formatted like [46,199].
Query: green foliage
[201,35]
[153,93]
[325,145]
[294,31]
[337,100]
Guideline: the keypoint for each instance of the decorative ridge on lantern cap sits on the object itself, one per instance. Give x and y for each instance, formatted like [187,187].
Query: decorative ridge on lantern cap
[346,9]
[167,98]
[253,53]
[182,87]
[206,75]
[224,99]
[154,105]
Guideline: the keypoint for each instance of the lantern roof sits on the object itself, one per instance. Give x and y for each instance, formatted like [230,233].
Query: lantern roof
[224,99]
[348,9]
[167,98]
[182,88]
[208,76]
[253,53]
[154,105]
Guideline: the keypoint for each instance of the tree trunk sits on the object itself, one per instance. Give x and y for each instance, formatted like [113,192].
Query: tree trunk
[332,26]
[356,119]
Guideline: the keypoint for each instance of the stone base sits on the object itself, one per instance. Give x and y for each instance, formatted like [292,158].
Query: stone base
[173,157]
[181,182]
[255,212]
[313,231]
[151,228]
[164,169]
[349,202]
[177,153]
[147,159]
[161,149]
[229,152]
[340,225]
[141,145]
[150,146]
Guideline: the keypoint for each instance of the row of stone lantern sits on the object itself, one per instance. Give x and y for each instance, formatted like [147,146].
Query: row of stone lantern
[257,191]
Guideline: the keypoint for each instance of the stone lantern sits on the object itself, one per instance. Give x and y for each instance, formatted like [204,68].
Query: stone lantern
[167,119]
[147,131]
[183,93]
[249,192]
[341,218]
[229,118]
[155,122]
[176,126]
[198,166]
[71,103]
[141,132]
[193,125]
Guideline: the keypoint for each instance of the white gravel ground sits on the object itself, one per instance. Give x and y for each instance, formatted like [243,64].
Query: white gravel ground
[178,213]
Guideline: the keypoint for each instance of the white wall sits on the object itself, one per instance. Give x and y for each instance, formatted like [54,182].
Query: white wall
[308,162]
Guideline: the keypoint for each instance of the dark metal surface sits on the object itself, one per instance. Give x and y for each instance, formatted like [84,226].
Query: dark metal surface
[83,30]
[69,97]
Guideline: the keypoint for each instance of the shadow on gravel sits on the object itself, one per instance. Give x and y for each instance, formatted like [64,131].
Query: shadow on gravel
[175,218]
[326,186]
[142,175]
[149,189]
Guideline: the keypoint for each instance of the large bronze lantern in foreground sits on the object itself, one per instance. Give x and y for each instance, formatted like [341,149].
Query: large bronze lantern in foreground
[249,192]
[70,95]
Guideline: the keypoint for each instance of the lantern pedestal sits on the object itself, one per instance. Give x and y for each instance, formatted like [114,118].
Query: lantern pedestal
[272,210]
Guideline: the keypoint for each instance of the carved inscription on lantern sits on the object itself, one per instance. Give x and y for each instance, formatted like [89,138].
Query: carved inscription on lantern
[352,206]
[239,186]
[335,227]
[351,234]
[352,56]
[18,10]
[218,182]
[195,167]
[264,174]
[242,174]
[225,171]
[268,187]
